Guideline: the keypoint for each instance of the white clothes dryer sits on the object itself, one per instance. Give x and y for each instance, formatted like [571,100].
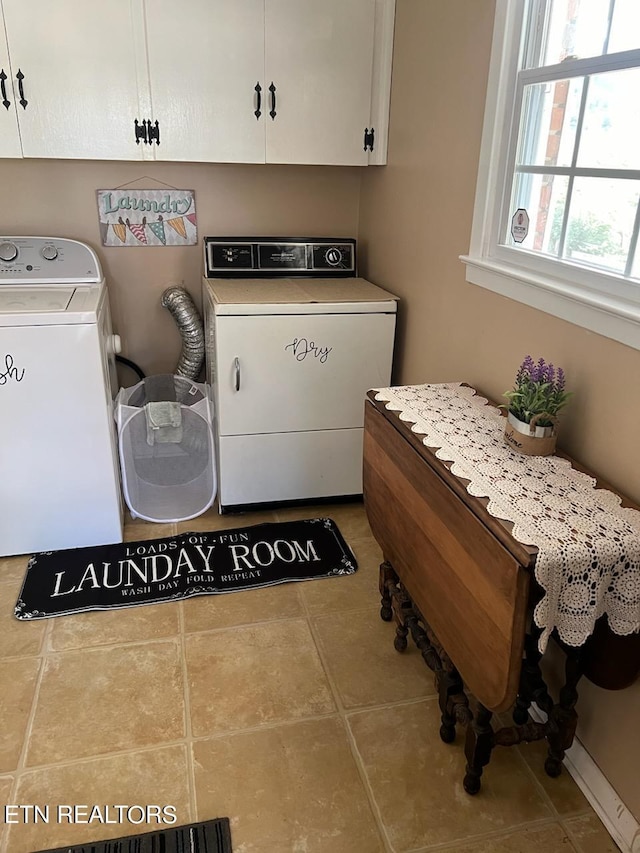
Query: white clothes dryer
[59,471]
[294,340]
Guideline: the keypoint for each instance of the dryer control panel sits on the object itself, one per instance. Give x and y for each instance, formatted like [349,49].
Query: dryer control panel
[267,257]
[47,260]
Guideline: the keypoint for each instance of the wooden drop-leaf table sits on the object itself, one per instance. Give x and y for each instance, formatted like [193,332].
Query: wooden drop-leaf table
[455,579]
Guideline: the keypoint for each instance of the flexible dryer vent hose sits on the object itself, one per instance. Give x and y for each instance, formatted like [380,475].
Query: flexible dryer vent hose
[181,306]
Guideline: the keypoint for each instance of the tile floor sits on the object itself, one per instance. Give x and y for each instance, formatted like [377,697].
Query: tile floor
[286,709]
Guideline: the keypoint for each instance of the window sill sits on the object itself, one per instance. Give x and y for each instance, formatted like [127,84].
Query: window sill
[609,316]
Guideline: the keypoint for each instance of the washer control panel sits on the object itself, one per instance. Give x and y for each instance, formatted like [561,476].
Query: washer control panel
[266,257]
[47,260]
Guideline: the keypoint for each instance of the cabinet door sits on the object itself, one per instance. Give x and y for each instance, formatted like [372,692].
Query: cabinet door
[283,373]
[319,57]
[81,64]
[9,136]
[205,59]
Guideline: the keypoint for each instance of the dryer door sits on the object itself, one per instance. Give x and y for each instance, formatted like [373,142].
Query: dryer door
[283,373]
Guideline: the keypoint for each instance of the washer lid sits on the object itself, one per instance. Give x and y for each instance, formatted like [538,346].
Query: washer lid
[22,300]
[50,306]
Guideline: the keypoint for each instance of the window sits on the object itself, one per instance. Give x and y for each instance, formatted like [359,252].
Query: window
[557,214]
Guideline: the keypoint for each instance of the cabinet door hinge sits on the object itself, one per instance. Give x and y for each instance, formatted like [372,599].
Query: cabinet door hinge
[141,131]
[153,132]
[368,138]
[147,132]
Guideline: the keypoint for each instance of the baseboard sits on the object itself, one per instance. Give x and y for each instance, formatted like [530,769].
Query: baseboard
[618,820]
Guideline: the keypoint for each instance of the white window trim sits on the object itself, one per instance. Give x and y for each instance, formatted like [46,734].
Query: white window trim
[576,296]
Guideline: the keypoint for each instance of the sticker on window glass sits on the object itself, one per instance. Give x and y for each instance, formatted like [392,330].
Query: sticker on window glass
[520,225]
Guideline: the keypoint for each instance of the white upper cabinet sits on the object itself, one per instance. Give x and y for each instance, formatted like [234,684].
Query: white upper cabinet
[206,58]
[9,135]
[221,81]
[319,61]
[75,77]
[275,81]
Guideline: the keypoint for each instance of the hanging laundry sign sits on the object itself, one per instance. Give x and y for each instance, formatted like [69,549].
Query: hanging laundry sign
[165,217]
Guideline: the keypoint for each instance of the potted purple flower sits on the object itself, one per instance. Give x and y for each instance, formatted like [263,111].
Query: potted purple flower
[534,403]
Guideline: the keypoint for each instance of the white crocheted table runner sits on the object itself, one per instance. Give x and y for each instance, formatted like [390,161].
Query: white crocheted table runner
[588,559]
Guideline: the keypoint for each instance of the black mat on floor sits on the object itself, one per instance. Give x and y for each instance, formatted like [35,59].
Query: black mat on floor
[130,573]
[209,836]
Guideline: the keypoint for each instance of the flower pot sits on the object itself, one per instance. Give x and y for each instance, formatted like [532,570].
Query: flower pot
[531,439]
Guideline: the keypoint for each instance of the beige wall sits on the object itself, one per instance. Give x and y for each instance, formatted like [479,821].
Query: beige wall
[57,197]
[415,221]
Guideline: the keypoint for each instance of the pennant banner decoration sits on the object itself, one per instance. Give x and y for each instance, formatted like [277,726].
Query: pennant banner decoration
[104,227]
[158,229]
[129,217]
[120,230]
[178,225]
[137,229]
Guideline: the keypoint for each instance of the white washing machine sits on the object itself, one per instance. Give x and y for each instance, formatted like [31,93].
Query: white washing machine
[294,341]
[59,472]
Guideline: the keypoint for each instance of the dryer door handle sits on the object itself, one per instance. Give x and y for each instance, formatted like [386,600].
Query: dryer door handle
[236,367]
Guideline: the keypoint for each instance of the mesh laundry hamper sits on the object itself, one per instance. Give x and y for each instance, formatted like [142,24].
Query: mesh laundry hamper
[165,439]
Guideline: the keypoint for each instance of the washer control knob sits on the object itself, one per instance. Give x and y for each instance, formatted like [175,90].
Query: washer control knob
[8,251]
[49,252]
[333,256]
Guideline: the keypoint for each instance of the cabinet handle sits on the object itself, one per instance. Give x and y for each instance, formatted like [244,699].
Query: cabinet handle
[272,89]
[236,365]
[6,103]
[258,90]
[23,100]
[141,131]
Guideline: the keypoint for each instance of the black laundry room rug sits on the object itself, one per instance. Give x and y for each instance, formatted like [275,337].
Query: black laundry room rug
[209,836]
[177,567]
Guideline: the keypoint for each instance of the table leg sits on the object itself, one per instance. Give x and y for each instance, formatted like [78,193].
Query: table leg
[386,578]
[450,687]
[394,602]
[400,641]
[453,702]
[397,603]
[532,687]
[563,718]
[477,748]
